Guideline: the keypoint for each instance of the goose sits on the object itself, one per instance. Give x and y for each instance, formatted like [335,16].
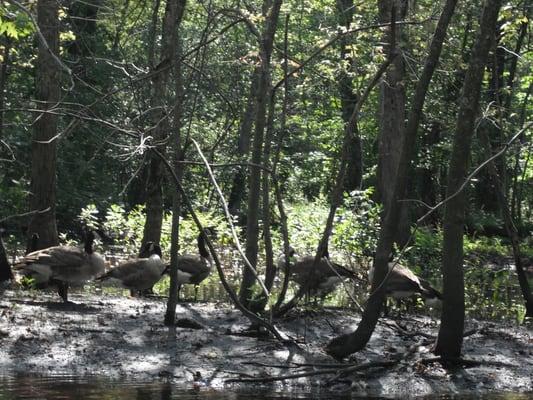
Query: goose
[323,278]
[138,274]
[6,275]
[401,282]
[62,265]
[193,269]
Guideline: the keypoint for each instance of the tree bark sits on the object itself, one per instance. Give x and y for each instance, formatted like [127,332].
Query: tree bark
[44,144]
[177,156]
[392,119]
[4,65]
[348,97]
[161,124]
[352,342]
[450,337]
[509,224]
[238,192]
[271,11]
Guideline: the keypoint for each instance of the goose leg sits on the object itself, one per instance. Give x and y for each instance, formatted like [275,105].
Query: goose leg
[62,290]
[195,293]
[179,288]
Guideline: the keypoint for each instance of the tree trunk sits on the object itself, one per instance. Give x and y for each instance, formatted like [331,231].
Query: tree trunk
[271,11]
[238,187]
[160,104]
[44,147]
[428,172]
[177,153]
[350,343]
[392,120]
[509,224]
[486,195]
[450,338]
[6,41]
[348,97]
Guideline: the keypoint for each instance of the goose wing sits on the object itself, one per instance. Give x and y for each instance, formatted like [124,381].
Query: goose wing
[64,263]
[193,269]
[402,279]
[137,274]
[54,257]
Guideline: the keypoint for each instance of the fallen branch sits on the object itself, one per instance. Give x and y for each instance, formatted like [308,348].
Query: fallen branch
[336,371]
[465,362]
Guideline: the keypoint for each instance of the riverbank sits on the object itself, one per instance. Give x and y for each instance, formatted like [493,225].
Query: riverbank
[121,337]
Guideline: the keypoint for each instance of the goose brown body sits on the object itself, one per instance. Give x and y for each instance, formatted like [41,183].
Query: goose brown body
[137,274]
[194,268]
[401,282]
[321,278]
[62,265]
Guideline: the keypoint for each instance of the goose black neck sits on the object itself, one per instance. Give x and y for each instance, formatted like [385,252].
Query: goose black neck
[89,239]
[202,249]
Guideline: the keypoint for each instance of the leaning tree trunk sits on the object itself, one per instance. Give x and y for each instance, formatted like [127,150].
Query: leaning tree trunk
[392,120]
[44,144]
[352,342]
[450,338]
[262,96]
[161,124]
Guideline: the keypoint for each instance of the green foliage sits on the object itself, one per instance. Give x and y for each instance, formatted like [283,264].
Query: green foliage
[14,23]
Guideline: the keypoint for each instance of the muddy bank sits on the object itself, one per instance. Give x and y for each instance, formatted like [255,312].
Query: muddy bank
[121,337]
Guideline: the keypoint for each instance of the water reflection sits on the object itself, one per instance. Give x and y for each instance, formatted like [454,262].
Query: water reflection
[92,387]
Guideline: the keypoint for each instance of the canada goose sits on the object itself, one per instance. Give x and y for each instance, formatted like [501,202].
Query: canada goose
[323,278]
[193,269]
[137,274]
[62,265]
[401,282]
[6,275]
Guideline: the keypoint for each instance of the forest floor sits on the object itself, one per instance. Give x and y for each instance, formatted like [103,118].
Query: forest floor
[124,338]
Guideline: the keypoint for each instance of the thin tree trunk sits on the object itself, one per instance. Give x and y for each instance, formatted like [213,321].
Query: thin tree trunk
[238,191]
[516,199]
[350,343]
[270,269]
[277,191]
[392,120]
[6,59]
[170,314]
[262,95]
[509,224]
[160,120]
[450,338]
[348,97]
[44,145]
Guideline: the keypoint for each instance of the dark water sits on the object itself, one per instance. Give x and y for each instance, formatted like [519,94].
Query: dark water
[92,388]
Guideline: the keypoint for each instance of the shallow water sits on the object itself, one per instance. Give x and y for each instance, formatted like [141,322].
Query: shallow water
[69,387]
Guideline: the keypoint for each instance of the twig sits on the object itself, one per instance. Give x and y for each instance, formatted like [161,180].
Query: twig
[465,362]
[26,214]
[229,219]
[343,284]
[247,313]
